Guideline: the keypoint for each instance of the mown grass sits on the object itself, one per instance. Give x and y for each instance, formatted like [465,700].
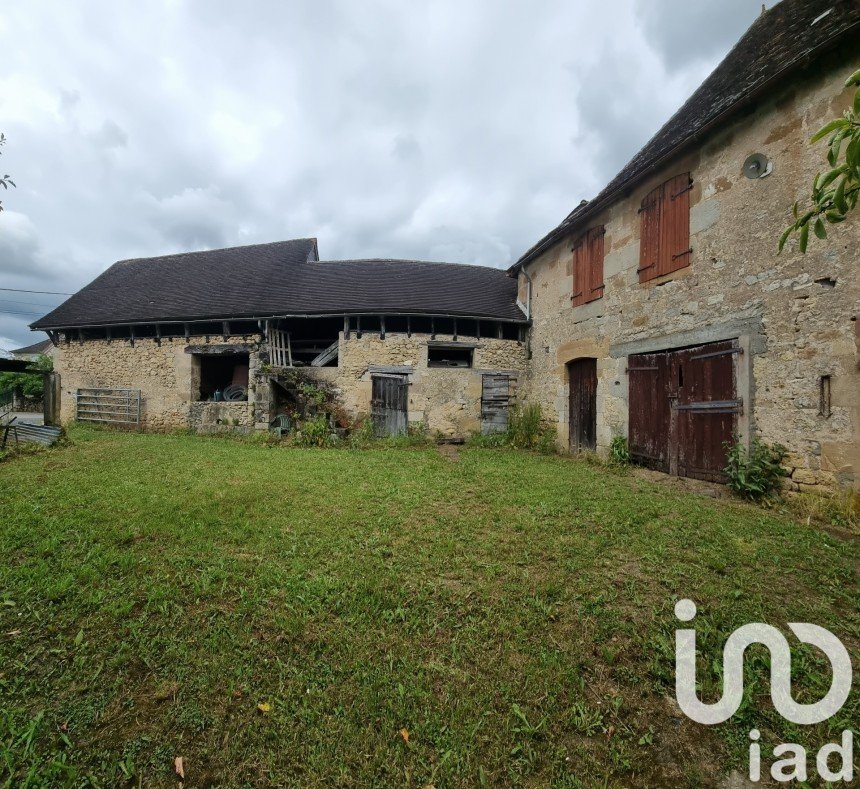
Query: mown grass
[404,618]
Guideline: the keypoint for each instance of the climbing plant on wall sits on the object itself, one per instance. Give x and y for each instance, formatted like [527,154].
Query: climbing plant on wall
[834,191]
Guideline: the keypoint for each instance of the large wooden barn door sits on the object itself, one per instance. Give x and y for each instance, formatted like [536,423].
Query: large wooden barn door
[684,409]
[582,407]
[388,404]
[706,408]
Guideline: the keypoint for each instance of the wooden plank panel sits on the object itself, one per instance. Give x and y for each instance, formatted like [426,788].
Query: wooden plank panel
[706,419]
[649,243]
[582,405]
[648,437]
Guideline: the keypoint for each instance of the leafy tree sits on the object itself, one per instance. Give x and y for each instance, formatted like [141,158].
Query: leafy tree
[5,180]
[31,382]
[834,192]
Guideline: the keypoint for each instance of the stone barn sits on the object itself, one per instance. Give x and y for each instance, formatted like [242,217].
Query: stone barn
[201,340]
[661,311]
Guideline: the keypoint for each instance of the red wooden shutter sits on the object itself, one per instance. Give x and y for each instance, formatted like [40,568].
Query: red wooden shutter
[595,263]
[580,269]
[649,245]
[675,225]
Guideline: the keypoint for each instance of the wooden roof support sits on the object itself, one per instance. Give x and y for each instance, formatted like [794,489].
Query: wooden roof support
[381,327]
[408,325]
[108,335]
[158,334]
[455,329]
[225,329]
[131,336]
[346,327]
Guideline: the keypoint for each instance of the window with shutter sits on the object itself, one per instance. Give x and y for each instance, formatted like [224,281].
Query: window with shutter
[588,267]
[665,238]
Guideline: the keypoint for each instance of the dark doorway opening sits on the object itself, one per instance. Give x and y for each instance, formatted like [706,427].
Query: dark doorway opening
[217,373]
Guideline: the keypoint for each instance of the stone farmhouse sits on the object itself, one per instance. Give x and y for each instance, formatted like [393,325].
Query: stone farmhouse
[659,310]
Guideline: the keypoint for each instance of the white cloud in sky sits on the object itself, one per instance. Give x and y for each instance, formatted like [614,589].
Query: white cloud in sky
[444,131]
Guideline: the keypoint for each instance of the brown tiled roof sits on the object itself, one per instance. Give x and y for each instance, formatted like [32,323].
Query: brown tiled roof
[781,41]
[284,278]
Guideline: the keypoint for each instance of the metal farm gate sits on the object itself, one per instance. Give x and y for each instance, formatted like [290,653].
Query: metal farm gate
[684,409]
[109,406]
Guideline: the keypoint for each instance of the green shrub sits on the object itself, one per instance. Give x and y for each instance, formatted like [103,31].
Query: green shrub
[619,452]
[755,473]
[524,426]
[314,432]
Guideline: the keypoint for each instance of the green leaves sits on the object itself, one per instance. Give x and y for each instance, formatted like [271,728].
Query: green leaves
[819,228]
[835,191]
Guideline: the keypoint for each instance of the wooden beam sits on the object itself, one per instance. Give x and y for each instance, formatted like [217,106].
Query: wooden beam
[158,334]
[455,329]
[225,329]
[108,335]
[131,336]
[81,336]
[358,326]
[408,325]
[501,331]
[289,349]
[381,327]
[187,330]
[432,328]
[346,327]
[478,329]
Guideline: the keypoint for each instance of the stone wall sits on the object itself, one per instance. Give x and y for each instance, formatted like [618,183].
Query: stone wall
[446,400]
[795,315]
[167,376]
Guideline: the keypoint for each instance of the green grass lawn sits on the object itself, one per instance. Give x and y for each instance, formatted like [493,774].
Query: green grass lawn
[405,618]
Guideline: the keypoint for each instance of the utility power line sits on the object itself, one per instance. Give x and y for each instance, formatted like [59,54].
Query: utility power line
[45,292]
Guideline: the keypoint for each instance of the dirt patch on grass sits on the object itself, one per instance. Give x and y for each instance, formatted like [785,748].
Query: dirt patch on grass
[449,451]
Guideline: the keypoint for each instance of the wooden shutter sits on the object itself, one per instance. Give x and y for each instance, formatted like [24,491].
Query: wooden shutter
[675,225]
[580,272]
[588,267]
[595,263]
[649,245]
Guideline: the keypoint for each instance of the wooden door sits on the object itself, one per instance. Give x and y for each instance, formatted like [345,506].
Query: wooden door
[388,404]
[582,407]
[650,414]
[495,400]
[706,408]
[683,409]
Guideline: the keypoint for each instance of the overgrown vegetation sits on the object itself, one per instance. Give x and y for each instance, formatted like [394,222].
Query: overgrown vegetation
[834,191]
[31,383]
[527,429]
[619,452]
[293,617]
[755,473]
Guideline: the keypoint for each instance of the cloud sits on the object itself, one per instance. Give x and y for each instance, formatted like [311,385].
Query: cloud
[446,130]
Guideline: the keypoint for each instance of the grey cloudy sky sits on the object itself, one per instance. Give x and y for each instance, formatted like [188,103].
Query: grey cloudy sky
[458,131]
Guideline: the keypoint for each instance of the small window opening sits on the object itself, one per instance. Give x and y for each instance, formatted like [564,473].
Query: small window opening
[447,356]
[223,377]
[824,396]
